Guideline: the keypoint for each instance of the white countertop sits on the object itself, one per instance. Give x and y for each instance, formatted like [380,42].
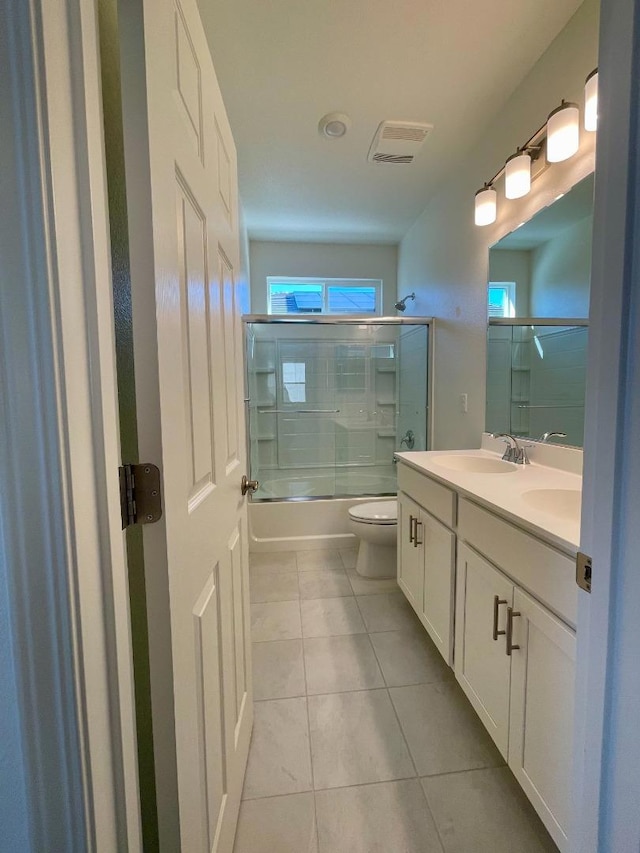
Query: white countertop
[504,493]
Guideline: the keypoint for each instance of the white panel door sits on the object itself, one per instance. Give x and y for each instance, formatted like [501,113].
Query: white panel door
[190,408]
[410,552]
[481,665]
[542,703]
[439,583]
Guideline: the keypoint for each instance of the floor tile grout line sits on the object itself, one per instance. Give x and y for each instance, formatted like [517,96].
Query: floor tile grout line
[369,784]
[417,779]
[306,701]
[429,809]
[404,737]
[384,677]
[369,690]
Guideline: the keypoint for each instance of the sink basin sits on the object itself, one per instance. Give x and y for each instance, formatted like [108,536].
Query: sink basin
[565,503]
[475,464]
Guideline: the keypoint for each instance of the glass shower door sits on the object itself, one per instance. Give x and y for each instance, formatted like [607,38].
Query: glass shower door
[325,403]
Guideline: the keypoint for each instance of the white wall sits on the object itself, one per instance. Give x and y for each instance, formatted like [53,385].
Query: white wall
[561,273]
[320,260]
[444,257]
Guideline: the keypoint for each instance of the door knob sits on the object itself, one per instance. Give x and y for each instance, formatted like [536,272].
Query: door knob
[248,485]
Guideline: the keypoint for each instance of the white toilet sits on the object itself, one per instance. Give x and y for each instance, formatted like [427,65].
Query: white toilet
[375,524]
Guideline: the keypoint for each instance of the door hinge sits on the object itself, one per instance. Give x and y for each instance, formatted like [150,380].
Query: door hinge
[140,497]
[583,571]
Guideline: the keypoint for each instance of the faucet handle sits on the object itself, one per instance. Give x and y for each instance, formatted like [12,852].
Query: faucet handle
[522,455]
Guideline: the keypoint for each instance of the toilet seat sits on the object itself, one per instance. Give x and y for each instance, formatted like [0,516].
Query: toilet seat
[378,513]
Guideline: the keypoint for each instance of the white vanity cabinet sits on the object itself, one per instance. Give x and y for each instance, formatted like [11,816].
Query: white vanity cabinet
[481,665]
[410,551]
[541,712]
[515,608]
[426,557]
[514,658]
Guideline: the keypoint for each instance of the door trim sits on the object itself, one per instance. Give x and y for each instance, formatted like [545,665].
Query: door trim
[607,753]
[66,586]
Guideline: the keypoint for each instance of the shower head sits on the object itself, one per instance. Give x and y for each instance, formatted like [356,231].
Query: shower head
[401,305]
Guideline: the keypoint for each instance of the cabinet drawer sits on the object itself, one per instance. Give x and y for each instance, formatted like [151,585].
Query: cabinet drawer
[437,499]
[546,573]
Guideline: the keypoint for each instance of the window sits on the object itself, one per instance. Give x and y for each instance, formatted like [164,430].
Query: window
[502,299]
[324,296]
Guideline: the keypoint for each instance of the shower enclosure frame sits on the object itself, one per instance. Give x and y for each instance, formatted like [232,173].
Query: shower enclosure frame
[336,320]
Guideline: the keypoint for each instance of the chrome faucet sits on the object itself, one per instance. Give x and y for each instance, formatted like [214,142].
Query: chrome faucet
[514,452]
[547,435]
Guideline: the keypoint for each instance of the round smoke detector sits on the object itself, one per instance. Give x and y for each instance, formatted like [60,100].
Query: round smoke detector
[334,125]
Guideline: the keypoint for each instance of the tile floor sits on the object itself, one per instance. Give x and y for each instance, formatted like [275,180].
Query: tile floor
[363,742]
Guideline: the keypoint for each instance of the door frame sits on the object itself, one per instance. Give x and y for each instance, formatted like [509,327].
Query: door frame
[61,237]
[65,591]
[607,751]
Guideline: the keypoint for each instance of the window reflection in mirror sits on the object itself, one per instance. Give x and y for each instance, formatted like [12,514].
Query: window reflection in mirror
[536,360]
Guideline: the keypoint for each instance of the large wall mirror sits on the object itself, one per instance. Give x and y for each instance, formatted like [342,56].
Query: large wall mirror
[539,278]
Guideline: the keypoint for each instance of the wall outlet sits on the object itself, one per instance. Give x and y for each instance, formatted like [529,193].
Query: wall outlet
[464,403]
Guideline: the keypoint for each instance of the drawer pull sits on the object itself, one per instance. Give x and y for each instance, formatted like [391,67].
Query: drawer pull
[412,518]
[511,614]
[497,601]
[415,534]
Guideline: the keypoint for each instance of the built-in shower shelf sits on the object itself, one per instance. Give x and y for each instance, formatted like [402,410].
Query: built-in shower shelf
[521,370]
[265,438]
[385,401]
[263,370]
[386,369]
[261,404]
[386,433]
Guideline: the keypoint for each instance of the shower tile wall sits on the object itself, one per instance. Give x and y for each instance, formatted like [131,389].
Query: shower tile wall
[412,394]
[498,414]
[349,390]
[324,404]
[536,380]
[558,379]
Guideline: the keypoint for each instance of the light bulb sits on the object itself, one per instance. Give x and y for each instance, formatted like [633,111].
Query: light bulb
[591,101]
[486,206]
[517,175]
[563,132]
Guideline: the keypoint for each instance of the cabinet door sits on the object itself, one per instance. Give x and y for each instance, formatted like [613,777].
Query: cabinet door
[410,554]
[541,724]
[481,665]
[439,582]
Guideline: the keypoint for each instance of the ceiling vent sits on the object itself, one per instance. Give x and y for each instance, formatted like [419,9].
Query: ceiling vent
[398,141]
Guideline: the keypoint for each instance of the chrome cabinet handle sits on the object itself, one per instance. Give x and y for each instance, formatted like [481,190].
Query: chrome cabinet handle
[511,614]
[247,485]
[412,518]
[497,601]
[415,535]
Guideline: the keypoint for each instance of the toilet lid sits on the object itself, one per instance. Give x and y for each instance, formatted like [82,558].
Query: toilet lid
[380,512]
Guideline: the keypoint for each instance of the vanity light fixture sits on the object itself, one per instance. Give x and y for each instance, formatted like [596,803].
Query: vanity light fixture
[517,174]
[559,138]
[563,132]
[591,101]
[486,205]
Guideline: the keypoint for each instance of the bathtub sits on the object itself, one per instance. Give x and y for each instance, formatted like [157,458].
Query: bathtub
[321,484]
[293,515]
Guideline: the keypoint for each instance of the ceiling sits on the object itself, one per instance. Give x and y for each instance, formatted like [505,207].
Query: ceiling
[283,64]
[566,211]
